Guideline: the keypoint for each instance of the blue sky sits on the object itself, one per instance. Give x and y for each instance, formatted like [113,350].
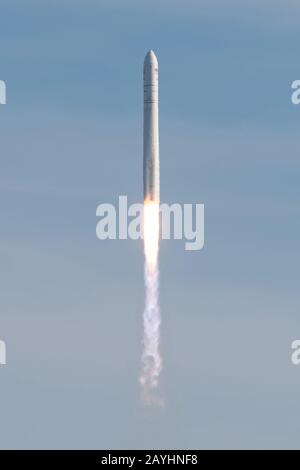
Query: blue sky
[70,305]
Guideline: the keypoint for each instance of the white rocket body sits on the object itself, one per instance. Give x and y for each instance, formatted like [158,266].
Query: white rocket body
[151,132]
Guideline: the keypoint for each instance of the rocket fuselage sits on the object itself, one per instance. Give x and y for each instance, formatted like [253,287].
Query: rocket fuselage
[151,132]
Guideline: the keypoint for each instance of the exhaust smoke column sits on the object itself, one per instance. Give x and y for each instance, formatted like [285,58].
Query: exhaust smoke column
[151,358]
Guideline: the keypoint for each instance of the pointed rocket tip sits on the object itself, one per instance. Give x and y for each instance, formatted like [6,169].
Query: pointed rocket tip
[151,57]
[151,53]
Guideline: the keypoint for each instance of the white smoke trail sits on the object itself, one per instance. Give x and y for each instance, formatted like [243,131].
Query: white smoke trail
[151,359]
[151,356]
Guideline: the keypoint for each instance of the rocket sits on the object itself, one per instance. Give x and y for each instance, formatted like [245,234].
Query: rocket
[151,132]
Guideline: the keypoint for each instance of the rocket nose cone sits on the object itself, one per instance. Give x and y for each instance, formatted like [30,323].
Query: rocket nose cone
[150,58]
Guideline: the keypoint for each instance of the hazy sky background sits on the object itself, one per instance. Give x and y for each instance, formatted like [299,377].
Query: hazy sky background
[70,305]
